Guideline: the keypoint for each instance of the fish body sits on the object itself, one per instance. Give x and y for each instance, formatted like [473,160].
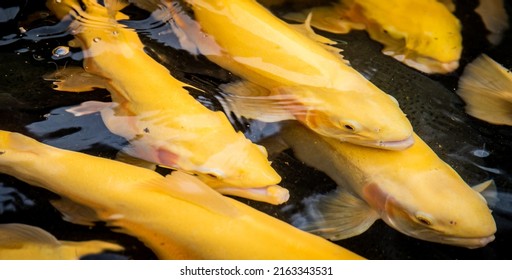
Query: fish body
[298,75]
[176,216]
[24,242]
[422,34]
[413,191]
[155,113]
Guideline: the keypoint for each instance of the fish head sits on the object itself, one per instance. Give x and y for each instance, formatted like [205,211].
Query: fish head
[440,208]
[373,120]
[241,168]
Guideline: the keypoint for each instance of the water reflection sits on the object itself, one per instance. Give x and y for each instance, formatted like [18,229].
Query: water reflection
[11,200]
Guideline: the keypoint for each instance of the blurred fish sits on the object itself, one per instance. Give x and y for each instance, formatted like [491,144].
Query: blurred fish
[495,17]
[422,34]
[287,74]
[486,87]
[413,191]
[24,242]
[154,112]
[176,216]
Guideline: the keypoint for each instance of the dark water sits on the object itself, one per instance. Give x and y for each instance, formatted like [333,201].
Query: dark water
[477,150]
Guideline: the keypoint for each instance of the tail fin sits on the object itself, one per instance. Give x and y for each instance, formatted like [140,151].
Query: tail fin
[486,87]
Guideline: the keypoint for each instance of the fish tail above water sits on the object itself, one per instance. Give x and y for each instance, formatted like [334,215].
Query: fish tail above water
[486,87]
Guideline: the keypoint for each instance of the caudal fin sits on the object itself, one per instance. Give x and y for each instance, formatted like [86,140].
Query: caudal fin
[486,87]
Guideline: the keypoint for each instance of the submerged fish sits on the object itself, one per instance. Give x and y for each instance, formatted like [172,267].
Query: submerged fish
[486,87]
[495,18]
[24,242]
[422,34]
[154,111]
[413,191]
[176,216]
[287,74]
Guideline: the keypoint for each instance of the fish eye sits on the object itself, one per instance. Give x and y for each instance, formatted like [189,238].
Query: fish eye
[424,220]
[351,126]
[211,175]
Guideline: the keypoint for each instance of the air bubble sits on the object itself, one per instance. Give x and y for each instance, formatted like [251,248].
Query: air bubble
[60,52]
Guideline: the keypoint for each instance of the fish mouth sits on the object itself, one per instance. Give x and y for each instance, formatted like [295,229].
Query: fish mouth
[398,145]
[272,194]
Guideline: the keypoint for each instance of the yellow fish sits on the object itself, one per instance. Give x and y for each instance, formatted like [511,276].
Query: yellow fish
[24,242]
[413,191]
[486,87]
[177,216]
[423,34]
[155,112]
[287,74]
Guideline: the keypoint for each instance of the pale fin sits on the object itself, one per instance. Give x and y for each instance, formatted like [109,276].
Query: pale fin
[89,107]
[495,18]
[189,32]
[189,188]
[15,235]
[246,99]
[75,79]
[74,212]
[326,18]
[271,194]
[305,29]
[337,215]
[125,157]
[489,192]
[486,87]
[274,145]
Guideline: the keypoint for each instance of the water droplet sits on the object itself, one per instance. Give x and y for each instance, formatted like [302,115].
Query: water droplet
[60,52]
[58,1]
[115,33]
[96,40]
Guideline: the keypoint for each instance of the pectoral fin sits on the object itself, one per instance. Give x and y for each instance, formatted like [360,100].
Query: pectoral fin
[89,107]
[245,99]
[75,79]
[76,213]
[337,215]
[489,192]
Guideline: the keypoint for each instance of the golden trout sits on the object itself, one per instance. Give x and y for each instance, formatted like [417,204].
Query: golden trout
[287,74]
[413,191]
[154,111]
[24,242]
[486,87]
[177,216]
[422,34]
